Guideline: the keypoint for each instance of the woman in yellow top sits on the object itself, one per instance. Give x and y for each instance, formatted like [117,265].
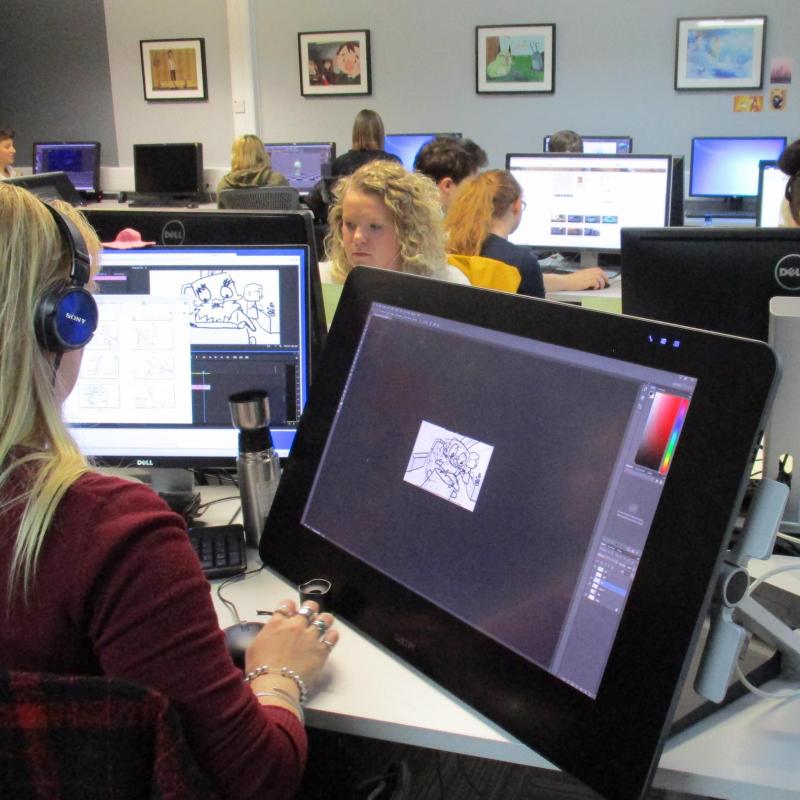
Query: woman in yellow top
[250,166]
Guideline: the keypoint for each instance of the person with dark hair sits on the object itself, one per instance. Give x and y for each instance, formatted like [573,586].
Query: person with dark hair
[347,64]
[478,155]
[447,161]
[485,211]
[565,141]
[7,153]
[367,145]
[789,162]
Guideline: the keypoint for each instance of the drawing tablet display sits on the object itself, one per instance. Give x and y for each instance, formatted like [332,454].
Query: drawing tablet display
[520,488]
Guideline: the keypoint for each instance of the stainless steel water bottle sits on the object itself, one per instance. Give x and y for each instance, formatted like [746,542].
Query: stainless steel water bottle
[257,465]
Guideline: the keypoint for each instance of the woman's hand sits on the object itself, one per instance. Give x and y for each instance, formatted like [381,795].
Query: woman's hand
[297,639]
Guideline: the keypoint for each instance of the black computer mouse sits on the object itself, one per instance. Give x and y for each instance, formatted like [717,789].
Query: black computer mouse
[238,638]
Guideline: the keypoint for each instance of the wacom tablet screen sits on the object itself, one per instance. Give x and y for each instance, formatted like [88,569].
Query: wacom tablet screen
[485,495]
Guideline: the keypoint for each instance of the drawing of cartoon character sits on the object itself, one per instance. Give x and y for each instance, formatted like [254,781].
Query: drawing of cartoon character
[454,464]
[217,304]
[501,66]
[265,318]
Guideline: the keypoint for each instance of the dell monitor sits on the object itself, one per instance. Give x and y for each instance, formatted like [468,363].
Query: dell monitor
[719,279]
[166,173]
[771,194]
[406,145]
[577,201]
[523,562]
[302,163]
[80,160]
[600,144]
[180,330]
[727,166]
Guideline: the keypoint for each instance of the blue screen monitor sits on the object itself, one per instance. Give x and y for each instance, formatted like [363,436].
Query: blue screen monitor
[301,163]
[181,329]
[771,193]
[601,144]
[80,161]
[406,145]
[727,166]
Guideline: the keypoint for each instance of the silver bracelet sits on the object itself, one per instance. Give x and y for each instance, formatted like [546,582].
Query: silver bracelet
[299,682]
[286,697]
[264,669]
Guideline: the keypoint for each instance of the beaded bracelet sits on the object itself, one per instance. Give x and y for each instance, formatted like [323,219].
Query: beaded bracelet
[264,669]
[285,696]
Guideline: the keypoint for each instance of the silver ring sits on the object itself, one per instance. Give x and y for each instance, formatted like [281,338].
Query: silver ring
[283,609]
[327,644]
[321,625]
[307,612]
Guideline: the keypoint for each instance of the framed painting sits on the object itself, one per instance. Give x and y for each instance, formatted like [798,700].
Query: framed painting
[720,53]
[174,69]
[515,59]
[334,63]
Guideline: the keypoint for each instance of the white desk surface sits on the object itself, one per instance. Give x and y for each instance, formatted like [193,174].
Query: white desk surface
[614,291]
[747,751]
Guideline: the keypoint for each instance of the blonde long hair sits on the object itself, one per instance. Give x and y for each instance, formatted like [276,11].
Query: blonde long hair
[39,460]
[413,202]
[478,201]
[248,152]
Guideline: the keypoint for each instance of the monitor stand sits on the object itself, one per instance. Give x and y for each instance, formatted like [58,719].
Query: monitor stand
[737,612]
[589,258]
[176,487]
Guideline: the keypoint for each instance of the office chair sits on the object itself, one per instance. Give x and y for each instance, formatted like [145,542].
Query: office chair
[92,738]
[274,198]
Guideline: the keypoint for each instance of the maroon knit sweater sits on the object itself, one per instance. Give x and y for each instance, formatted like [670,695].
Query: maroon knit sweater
[119,592]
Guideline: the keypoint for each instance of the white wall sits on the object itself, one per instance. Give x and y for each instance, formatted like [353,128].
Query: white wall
[614,72]
[209,122]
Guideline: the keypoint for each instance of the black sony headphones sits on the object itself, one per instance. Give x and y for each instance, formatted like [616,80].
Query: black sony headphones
[66,316]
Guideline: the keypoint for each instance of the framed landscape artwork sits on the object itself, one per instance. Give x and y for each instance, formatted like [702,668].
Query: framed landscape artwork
[720,53]
[515,59]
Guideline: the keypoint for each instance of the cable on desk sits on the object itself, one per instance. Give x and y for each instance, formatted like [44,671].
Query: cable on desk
[203,506]
[739,674]
[238,511]
[234,578]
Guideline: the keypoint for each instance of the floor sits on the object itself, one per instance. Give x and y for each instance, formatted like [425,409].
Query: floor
[352,768]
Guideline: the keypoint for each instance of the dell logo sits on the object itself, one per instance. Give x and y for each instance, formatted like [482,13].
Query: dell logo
[787,272]
[75,318]
[173,232]
[144,462]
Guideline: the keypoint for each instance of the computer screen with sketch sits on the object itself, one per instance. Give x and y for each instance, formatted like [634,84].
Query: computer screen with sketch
[180,330]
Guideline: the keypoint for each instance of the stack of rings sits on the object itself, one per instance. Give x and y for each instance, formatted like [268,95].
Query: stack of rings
[312,619]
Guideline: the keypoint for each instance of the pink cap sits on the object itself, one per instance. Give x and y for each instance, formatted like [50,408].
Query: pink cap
[127,239]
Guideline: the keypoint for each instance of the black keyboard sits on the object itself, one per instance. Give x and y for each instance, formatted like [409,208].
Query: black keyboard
[221,549]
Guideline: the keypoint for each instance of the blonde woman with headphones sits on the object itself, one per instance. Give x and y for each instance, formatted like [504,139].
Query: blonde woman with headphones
[97,576]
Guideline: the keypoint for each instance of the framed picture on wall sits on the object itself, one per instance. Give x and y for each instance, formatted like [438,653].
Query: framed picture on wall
[334,63]
[515,58]
[174,69]
[720,53]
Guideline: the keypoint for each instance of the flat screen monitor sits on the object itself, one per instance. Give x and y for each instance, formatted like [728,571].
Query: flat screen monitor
[49,186]
[727,166]
[181,329]
[301,162]
[771,193]
[600,144]
[719,279]
[462,526]
[170,170]
[225,228]
[406,145]
[577,201]
[80,160]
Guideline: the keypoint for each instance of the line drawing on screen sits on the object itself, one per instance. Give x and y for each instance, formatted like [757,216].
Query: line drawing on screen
[225,300]
[448,464]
